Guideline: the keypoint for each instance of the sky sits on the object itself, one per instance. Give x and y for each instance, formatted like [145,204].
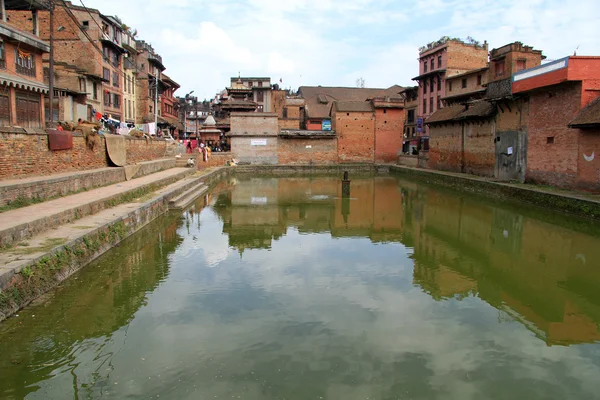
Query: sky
[334,42]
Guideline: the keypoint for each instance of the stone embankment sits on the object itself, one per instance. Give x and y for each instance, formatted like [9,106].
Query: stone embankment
[575,203]
[43,244]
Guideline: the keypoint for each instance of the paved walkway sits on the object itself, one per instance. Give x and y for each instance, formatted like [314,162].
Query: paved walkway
[14,218]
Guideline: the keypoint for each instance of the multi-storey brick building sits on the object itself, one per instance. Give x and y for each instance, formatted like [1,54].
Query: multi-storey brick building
[437,61]
[289,109]
[169,107]
[505,61]
[99,59]
[22,85]
[564,115]
[130,74]
[150,68]
[467,86]
[411,105]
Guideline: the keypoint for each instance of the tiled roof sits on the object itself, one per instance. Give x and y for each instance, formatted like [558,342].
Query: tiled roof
[445,114]
[457,112]
[353,106]
[478,109]
[588,117]
[315,97]
[318,110]
[348,93]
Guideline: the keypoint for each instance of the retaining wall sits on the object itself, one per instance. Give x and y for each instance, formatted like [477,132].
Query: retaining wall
[26,153]
[506,192]
[64,184]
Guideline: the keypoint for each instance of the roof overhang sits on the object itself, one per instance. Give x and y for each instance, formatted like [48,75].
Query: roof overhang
[11,33]
[112,44]
[157,62]
[430,73]
[466,94]
[26,5]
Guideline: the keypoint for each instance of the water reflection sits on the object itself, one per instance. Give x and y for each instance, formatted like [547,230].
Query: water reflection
[85,318]
[282,289]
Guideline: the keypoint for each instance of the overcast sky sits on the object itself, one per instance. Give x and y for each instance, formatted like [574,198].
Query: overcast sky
[334,42]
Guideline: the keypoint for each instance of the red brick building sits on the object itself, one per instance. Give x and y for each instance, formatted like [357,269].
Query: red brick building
[389,128]
[564,115]
[22,85]
[99,59]
[149,80]
[354,125]
[437,61]
[169,107]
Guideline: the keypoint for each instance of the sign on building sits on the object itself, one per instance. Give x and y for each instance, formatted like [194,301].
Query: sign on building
[258,142]
[419,125]
[326,125]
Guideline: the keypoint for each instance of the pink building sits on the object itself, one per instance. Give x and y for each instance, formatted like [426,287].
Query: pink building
[437,61]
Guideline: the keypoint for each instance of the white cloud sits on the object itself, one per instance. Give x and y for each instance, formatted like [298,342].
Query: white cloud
[333,42]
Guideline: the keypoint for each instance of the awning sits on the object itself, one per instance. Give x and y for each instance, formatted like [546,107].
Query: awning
[19,82]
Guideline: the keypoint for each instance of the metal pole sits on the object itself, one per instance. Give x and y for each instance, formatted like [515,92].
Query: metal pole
[51,66]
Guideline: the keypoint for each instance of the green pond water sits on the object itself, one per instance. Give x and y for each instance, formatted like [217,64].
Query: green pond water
[281,289]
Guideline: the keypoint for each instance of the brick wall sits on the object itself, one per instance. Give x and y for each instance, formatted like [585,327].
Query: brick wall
[551,110]
[454,84]
[588,172]
[289,124]
[446,147]
[245,151]
[307,151]
[253,124]
[480,149]
[23,155]
[466,57]
[356,139]
[215,160]
[389,126]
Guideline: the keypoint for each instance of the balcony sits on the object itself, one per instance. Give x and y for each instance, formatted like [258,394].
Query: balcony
[156,60]
[27,71]
[113,41]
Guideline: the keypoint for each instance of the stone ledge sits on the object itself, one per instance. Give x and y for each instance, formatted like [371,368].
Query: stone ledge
[31,222]
[50,186]
[562,202]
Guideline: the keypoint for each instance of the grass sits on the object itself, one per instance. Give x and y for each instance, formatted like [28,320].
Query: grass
[40,276]
[20,202]
[26,249]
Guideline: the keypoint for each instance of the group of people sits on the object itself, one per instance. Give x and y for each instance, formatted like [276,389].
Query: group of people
[223,147]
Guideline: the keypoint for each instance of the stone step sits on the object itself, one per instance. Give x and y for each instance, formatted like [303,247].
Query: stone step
[44,188]
[23,223]
[186,198]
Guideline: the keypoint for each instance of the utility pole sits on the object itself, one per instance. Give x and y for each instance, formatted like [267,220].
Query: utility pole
[51,65]
[196,105]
